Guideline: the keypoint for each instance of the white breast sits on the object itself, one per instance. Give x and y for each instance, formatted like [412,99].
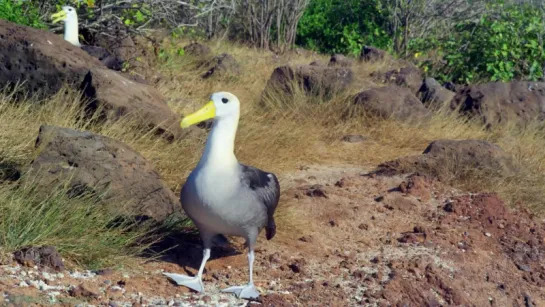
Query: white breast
[212,198]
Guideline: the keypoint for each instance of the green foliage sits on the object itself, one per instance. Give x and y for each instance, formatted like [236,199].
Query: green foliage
[499,47]
[137,15]
[21,12]
[343,26]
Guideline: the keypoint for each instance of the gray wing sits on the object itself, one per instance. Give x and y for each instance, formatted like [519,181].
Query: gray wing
[267,188]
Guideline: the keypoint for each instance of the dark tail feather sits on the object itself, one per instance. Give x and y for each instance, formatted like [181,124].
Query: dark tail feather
[270,231]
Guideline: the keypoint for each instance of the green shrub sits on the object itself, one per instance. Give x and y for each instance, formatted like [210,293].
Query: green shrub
[21,12]
[343,26]
[499,47]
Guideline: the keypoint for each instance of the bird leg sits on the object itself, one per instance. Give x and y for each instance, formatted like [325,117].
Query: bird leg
[248,291]
[194,282]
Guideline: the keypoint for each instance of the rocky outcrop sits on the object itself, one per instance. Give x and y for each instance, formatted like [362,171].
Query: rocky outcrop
[372,54]
[449,159]
[409,77]
[120,44]
[499,102]
[46,62]
[121,97]
[390,102]
[433,95]
[43,256]
[91,163]
[222,65]
[314,80]
[339,60]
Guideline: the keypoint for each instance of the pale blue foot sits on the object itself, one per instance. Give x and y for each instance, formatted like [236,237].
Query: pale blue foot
[194,283]
[246,292]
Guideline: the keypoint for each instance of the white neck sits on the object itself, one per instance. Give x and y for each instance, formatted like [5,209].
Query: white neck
[71,31]
[220,145]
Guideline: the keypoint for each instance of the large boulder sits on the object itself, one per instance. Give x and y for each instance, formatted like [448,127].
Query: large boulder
[372,54]
[390,102]
[91,163]
[339,60]
[314,80]
[433,95]
[454,159]
[46,62]
[222,65]
[118,41]
[499,102]
[409,76]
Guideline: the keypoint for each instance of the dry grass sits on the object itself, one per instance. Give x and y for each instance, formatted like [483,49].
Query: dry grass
[283,134]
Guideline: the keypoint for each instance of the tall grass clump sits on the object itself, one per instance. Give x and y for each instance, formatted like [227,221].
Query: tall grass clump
[83,230]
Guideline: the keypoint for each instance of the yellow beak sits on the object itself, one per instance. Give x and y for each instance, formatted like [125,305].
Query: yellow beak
[206,112]
[61,15]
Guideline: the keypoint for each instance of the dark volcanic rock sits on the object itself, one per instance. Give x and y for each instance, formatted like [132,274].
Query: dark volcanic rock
[314,80]
[339,60]
[45,256]
[223,64]
[46,62]
[390,102]
[499,102]
[445,159]
[372,54]
[409,76]
[90,163]
[433,95]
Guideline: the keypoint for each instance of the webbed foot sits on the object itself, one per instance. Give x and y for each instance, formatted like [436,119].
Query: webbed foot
[194,283]
[246,292]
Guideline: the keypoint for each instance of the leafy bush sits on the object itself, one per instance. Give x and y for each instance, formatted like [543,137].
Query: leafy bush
[498,47]
[343,26]
[21,12]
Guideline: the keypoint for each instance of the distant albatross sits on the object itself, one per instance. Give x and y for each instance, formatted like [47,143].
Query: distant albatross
[224,197]
[70,17]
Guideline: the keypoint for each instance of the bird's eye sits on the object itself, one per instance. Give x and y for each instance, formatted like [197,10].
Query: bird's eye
[224,100]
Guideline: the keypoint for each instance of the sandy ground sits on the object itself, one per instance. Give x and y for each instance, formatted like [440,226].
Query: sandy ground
[346,238]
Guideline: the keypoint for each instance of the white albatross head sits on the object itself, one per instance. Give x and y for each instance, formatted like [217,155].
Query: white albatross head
[70,18]
[221,105]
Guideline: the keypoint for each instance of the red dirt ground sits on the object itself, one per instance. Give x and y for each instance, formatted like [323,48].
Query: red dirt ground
[348,239]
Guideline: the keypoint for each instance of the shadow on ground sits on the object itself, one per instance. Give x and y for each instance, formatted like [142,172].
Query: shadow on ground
[184,248]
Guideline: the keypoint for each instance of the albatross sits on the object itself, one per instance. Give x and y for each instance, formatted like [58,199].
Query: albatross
[70,17]
[223,196]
